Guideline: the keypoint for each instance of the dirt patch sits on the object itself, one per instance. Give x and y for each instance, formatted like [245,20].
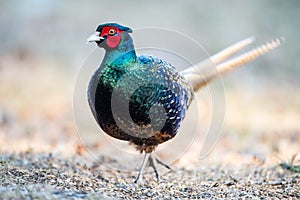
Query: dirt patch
[46,176]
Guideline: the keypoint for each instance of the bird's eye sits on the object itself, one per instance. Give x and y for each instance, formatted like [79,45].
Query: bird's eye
[111,31]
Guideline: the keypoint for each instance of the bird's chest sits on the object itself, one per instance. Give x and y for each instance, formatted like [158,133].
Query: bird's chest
[110,92]
[123,92]
[128,100]
[102,87]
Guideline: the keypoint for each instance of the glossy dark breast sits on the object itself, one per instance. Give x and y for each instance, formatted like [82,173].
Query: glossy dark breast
[150,91]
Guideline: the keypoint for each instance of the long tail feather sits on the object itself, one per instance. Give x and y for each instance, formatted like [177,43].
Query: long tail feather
[210,69]
[220,56]
[231,50]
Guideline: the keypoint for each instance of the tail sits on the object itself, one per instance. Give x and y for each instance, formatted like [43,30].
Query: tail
[207,70]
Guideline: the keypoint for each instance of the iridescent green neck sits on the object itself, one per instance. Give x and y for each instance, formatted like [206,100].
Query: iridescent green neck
[122,55]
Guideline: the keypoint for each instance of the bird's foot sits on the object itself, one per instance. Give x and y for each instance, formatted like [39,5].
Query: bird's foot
[152,159]
[139,180]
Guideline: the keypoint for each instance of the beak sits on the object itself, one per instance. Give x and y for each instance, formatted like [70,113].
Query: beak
[95,37]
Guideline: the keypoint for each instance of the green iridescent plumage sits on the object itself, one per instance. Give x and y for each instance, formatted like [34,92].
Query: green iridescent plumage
[141,99]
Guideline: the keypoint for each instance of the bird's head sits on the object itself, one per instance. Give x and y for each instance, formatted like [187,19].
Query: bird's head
[108,36]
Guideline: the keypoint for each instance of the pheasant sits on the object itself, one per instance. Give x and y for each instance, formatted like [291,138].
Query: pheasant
[143,99]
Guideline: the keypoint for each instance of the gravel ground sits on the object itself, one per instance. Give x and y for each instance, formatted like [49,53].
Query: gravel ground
[46,176]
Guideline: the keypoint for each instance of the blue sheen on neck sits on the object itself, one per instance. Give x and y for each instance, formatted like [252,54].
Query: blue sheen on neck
[120,56]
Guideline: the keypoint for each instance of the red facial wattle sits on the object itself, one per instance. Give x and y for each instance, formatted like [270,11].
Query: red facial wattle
[112,40]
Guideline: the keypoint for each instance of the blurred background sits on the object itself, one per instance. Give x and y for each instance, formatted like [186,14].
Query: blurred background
[43,46]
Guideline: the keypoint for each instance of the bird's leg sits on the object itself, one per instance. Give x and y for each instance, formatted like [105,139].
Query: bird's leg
[162,162]
[152,163]
[153,160]
[139,177]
